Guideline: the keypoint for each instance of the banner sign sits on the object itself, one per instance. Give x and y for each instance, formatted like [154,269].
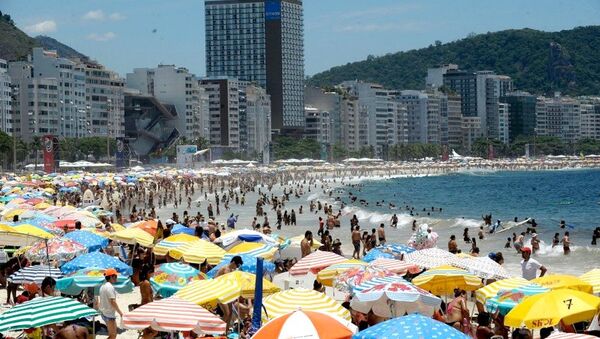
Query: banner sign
[50,150]
[185,155]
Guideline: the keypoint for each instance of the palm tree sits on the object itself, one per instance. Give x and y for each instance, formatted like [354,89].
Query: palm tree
[35,144]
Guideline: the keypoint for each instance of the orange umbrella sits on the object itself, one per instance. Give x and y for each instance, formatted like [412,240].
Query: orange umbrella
[148,226]
[306,324]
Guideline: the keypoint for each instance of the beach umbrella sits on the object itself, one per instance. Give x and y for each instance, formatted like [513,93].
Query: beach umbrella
[412,326]
[247,282]
[306,324]
[96,260]
[32,230]
[430,257]
[174,315]
[444,280]
[133,236]
[9,236]
[91,241]
[353,277]
[62,223]
[558,281]
[85,278]
[593,278]
[234,237]
[197,251]
[254,249]
[378,281]
[249,265]
[34,274]
[491,290]
[396,266]
[483,267]
[164,246]
[315,262]
[60,249]
[327,275]
[395,298]
[148,226]
[388,251]
[288,301]
[550,308]
[562,335]
[43,311]
[506,300]
[171,277]
[209,292]
[181,229]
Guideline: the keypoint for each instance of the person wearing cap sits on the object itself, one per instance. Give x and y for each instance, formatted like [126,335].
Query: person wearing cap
[529,267]
[107,302]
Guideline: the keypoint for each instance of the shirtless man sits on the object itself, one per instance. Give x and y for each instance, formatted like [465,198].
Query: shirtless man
[306,244]
[381,234]
[452,246]
[356,242]
[235,263]
[519,242]
[72,332]
[566,243]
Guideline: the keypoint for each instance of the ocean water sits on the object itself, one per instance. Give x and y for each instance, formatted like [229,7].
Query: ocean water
[547,196]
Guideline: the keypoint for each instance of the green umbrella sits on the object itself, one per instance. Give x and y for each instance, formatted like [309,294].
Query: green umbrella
[43,311]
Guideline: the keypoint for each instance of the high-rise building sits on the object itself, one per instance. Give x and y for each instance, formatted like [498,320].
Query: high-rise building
[435,75]
[471,130]
[174,86]
[590,117]
[5,99]
[490,87]
[261,41]
[465,84]
[427,116]
[224,111]
[503,123]
[558,117]
[454,118]
[318,125]
[258,121]
[105,101]
[521,112]
[354,124]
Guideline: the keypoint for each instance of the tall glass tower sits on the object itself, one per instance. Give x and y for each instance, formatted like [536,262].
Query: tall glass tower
[261,41]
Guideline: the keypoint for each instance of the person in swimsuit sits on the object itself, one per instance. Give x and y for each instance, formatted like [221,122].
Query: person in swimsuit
[356,242]
[566,243]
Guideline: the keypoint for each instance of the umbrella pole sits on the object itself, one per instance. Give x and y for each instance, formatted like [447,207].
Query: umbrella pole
[93,327]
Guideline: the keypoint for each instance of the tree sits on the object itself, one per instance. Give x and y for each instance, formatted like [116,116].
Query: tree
[339,152]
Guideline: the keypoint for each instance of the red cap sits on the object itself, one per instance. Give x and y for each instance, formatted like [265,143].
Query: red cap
[526,249]
[110,272]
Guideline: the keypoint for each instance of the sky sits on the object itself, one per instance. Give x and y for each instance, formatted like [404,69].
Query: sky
[125,34]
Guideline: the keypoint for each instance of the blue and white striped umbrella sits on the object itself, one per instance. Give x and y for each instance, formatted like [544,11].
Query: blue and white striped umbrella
[377,281]
[506,300]
[34,274]
[388,251]
[412,326]
[171,277]
[249,266]
[92,241]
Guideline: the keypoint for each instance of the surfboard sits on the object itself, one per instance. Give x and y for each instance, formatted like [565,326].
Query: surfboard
[520,223]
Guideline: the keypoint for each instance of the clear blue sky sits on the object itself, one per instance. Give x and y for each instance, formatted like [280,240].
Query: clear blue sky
[123,34]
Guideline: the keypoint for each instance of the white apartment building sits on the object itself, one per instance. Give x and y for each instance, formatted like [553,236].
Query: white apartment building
[590,117]
[490,88]
[258,121]
[471,130]
[454,121]
[105,101]
[175,86]
[558,117]
[354,124]
[5,99]
[318,125]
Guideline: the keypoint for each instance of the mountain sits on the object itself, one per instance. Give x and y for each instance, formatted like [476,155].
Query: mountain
[62,49]
[539,62]
[16,45]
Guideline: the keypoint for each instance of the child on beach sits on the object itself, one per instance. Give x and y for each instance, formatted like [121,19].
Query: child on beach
[507,245]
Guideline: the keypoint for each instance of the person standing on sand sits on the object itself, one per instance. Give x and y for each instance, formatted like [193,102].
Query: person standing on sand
[381,234]
[107,302]
[356,243]
[306,244]
[566,243]
[529,267]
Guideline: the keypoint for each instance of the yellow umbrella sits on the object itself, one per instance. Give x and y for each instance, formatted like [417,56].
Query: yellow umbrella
[558,281]
[21,250]
[491,290]
[295,241]
[593,278]
[133,236]
[443,280]
[28,229]
[327,275]
[247,281]
[254,249]
[117,227]
[42,206]
[169,243]
[291,300]
[550,308]
[198,251]
[49,190]
[12,213]
[208,293]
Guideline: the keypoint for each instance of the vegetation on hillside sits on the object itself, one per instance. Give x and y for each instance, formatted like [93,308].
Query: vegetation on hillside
[14,44]
[539,62]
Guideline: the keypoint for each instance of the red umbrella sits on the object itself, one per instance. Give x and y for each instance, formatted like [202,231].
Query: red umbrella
[62,223]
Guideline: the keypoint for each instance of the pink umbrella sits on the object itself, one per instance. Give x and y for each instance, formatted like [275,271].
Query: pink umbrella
[315,262]
[347,280]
